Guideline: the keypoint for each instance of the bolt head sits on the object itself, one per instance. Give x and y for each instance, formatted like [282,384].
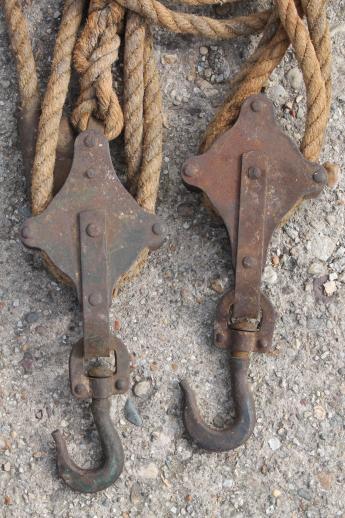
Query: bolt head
[248,262]
[190,170]
[80,390]
[90,173]
[93,230]
[262,344]
[254,173]
[26,232]
[95,299]
[120,384]
[320,176]
[220,338]
[90,140]
[158,229]
[257,106]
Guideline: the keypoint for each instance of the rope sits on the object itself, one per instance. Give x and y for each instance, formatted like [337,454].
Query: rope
[27,80]
[96,50]
[317,114]
[134,96]
[186,23]
[53,102]
[148,182]
[251,78]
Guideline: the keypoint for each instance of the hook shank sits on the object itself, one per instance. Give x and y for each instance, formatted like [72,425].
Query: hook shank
[95,479]
[242,427]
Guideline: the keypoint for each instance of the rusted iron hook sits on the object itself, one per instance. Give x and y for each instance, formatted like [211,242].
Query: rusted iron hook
[94,479]
[99,384]
[253,175]
[241,428]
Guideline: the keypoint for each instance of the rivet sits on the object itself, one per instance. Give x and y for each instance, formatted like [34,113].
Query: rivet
[91,173]
[80,389]
[158,229]
[220,338]
[190,170]
[120,384]
[90,140]
[248,261]
[262,344]
[93,230]
[95,299]
[320,176]
[257,106]
[254,173]
[26,232]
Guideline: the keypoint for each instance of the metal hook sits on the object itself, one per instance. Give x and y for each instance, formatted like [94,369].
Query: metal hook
[94,479]
[242,427]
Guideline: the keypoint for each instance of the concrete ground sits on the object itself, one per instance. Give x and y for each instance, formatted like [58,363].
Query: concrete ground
[293,465]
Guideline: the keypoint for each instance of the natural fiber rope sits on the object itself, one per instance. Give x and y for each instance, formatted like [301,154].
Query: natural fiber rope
[134,96]
[53,102]
[317,114]
[26,68]
[95,52]
[197,25]
[97,49]
[148,181]
[250,79]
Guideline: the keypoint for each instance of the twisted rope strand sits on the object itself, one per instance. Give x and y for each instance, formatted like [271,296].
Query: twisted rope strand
[134,95]
[317,113]
[250,79]
[197,25]
[54,99]
[320,36]
[148,182]
[95,52]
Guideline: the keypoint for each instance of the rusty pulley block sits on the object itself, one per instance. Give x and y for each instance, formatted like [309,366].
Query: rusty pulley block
[93,231]
[254,175]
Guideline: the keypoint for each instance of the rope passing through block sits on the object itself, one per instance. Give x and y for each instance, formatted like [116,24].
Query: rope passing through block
[93,46]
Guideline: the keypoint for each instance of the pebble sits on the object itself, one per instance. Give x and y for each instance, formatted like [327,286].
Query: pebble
[8,500]
[149,472]
[217,285]
[278,93]
[330,288]
[305,494]
[274,443]
[228,483]
[317,269]
[275,260]
[135,494]
[31,317]
[5,83]
[142,388]
[203,51]
[276,493]
[117,325]
[325,479]
[295,78]
[4,444]
[270,276]
[319,413]
[322,247]
[27,362]
[168,59]
[132,413]
[6,466]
